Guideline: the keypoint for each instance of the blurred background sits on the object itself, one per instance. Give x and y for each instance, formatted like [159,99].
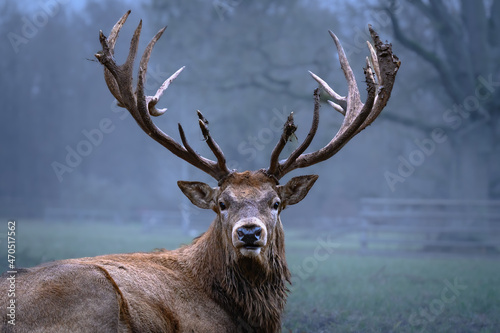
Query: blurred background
[80,177]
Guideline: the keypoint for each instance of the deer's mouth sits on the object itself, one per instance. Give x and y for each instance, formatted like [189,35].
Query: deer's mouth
[250,250]
[251,247]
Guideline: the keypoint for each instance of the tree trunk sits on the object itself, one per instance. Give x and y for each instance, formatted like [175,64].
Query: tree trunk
[471,170]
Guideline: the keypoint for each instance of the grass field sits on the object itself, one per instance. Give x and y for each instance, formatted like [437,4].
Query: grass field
[332,291]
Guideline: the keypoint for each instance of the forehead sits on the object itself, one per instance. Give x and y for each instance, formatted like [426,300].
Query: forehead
[248,184]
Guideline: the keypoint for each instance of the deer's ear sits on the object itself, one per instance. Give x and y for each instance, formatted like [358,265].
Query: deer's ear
[200,194]
[296,189]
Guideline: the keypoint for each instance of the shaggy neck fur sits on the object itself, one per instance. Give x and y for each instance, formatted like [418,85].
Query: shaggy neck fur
[253,291]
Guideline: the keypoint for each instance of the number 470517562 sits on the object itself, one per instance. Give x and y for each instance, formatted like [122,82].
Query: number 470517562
[11,243]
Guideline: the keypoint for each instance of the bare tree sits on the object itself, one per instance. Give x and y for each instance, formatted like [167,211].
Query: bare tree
[460,40]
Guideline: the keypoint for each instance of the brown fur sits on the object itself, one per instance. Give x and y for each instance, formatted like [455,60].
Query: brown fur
[207,286]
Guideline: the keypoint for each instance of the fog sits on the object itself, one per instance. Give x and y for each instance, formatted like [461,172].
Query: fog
[244,77]
[68,153]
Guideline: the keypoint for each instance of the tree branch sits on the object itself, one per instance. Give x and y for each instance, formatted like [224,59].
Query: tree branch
[441,67]
[494,26]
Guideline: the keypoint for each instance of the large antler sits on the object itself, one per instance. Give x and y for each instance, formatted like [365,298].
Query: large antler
[141,107]
[380,73]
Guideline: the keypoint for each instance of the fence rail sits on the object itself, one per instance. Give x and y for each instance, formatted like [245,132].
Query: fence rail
[466,226]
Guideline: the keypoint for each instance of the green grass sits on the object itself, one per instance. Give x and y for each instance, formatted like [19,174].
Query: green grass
[40,242]
[333,291]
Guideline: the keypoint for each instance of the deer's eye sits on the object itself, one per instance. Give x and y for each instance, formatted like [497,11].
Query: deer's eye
[222,205]
[276,205]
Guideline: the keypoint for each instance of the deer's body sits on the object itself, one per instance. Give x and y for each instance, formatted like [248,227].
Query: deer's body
[139,292]
[218,283]
[234,277]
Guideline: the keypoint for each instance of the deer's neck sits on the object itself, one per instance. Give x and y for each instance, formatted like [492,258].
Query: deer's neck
[253,292]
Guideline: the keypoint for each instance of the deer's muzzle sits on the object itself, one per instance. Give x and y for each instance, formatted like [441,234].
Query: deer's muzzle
[249,236]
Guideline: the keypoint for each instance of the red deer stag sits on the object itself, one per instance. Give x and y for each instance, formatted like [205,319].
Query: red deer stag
[233,278]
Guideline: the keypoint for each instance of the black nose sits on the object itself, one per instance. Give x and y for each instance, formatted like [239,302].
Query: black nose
[249,234]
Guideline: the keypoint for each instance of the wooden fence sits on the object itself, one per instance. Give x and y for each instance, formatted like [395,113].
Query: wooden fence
[430,225]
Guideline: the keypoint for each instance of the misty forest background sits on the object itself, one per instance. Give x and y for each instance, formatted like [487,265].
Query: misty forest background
[81,179]
[246,69]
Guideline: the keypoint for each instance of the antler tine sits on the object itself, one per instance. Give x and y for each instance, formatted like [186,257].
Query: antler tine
[184,140]
[152,100]
[143,68]
[332,93]
[108,77]
[109,47]
[310,136]
[113,35]
[353,98]
[288,130]
[374,60]
[214,147]
[119,78]
[142,107]
[379,76]
[386,66]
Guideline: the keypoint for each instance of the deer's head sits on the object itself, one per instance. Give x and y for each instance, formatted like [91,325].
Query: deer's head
[248,206]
